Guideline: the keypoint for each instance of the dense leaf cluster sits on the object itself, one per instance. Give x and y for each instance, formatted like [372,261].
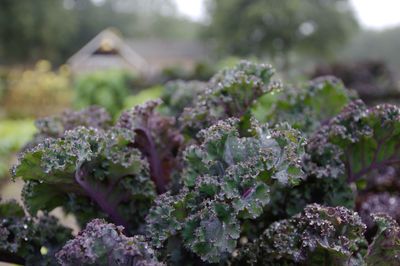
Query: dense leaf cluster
[355,143]
[28,240]
[307,106]
[324,236]
[180,94]
[202,179]
[88,166]
[230,93]
[101,243]
[227,179]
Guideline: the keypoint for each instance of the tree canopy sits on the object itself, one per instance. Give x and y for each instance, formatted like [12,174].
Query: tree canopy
[279,27]
[55,29]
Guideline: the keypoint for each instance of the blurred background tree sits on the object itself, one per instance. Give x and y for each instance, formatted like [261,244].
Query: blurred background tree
[55,29]
[30,30]
[278,28]
[374,45]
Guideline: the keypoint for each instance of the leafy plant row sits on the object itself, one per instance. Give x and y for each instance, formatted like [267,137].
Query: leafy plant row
[240,170]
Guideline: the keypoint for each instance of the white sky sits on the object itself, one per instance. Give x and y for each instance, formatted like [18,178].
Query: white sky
[193,8]
[373,14]
[378,14]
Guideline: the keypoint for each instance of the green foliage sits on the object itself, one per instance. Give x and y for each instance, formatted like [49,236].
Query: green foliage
[55,126]
[207,183]
[3,78]
[230,93]
[14,134]
[227,179]
[143,96]
[359,148]
[56,29]
[39,30]
[324,236]
[96,170]
[180,94]
[91,170]
[288,201]
[370,136]
[201,71]
[373,44]
[108,89]
[318,236]
[304,108]
[105,244]
[280,27]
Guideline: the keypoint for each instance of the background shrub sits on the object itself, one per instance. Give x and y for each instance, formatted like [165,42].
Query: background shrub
[143,96]
[105,88]
[37,92]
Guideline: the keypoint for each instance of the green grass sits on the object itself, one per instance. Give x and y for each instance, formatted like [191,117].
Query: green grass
[14,134]
[143,96]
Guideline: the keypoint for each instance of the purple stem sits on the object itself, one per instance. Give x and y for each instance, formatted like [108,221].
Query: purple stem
[156,169]
[373,166]
[99,198]
[247,193]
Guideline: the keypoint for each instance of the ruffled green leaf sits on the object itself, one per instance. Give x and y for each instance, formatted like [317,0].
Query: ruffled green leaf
[227,179]
[317,236]
[230,93]
[306,107]
[89,166]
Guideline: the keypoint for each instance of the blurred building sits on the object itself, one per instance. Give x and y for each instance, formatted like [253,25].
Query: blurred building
[147,57]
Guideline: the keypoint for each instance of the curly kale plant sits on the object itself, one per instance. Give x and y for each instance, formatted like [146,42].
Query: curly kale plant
[105,244]
[230,93]
[356,143]
[113,173]
[90,172]
[227,180]
[156,138]
[55,126]
[356,146]
[198,180]
[29,240]
[317,236]
[181,94]
[324,236]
